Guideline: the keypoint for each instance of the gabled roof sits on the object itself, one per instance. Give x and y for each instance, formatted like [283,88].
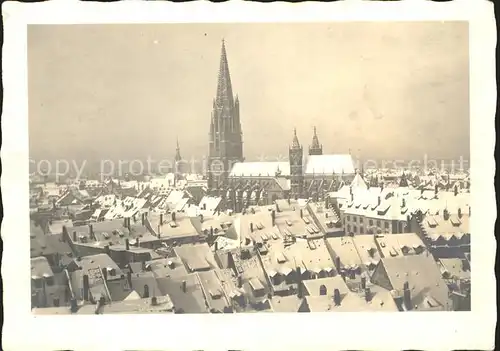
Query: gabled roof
[260,169]
[329,164]
[358,182]
[422,274]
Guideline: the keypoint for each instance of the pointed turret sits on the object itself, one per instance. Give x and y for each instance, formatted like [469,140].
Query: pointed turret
[178,152]
[224,97]
[295,141]
[316,148]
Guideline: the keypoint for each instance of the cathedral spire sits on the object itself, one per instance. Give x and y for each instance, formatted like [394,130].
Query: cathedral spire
[295,141]
[315,148]
[178,152]
[224,98]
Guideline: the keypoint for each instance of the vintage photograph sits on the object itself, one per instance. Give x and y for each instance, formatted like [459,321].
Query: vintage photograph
[170,172]
[233,168]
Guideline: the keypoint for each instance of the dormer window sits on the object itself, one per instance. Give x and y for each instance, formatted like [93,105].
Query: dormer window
[281,258]
[215,294]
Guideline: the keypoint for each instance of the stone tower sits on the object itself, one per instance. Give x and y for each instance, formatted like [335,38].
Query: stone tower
[225,136]
[316,148]
[296,171]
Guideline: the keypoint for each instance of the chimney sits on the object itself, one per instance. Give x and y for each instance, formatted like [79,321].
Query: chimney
[459,213]
[368,295]
[105,274]
[436,189]
[125,225]
[91,232]
[301,214]
[137,242]
[300,292]
[216,245]
[73,305]
[211,232]
[64,233]
[240,281]
[337,263]
[143,218]
[407,295]
[184,286]
[352,196]
[251,227]
[379,201]
[363,283]
[403,203]
[154,301]
[128,224]
[85,287]
[469,210]
[273,218]
[455,191]
[336,297]
[99,305]
[173,216]
[201,218]
[127,245]
[129,278]
[74,236]
[161,218]
[446,214]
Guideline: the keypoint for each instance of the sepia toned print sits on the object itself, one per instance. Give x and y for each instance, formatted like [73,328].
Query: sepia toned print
[240,168]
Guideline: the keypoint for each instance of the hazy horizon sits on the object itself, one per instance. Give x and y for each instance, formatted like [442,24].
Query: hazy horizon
[380,89]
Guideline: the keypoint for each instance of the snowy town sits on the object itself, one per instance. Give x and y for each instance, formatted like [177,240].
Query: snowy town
[314,233]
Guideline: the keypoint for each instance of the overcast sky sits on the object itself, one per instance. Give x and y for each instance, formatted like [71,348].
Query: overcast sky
[383,90]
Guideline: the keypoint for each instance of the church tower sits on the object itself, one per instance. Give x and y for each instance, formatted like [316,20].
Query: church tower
[177,160]
[296,171]
[225,136]
[315,148]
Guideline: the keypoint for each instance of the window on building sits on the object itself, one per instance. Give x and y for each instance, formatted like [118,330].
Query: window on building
[386,225]
[348,228]
[361,230]
[355,219]
[371,221]
[37,283]
[378,223]
[354,229]
[348,218]
[56,302]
